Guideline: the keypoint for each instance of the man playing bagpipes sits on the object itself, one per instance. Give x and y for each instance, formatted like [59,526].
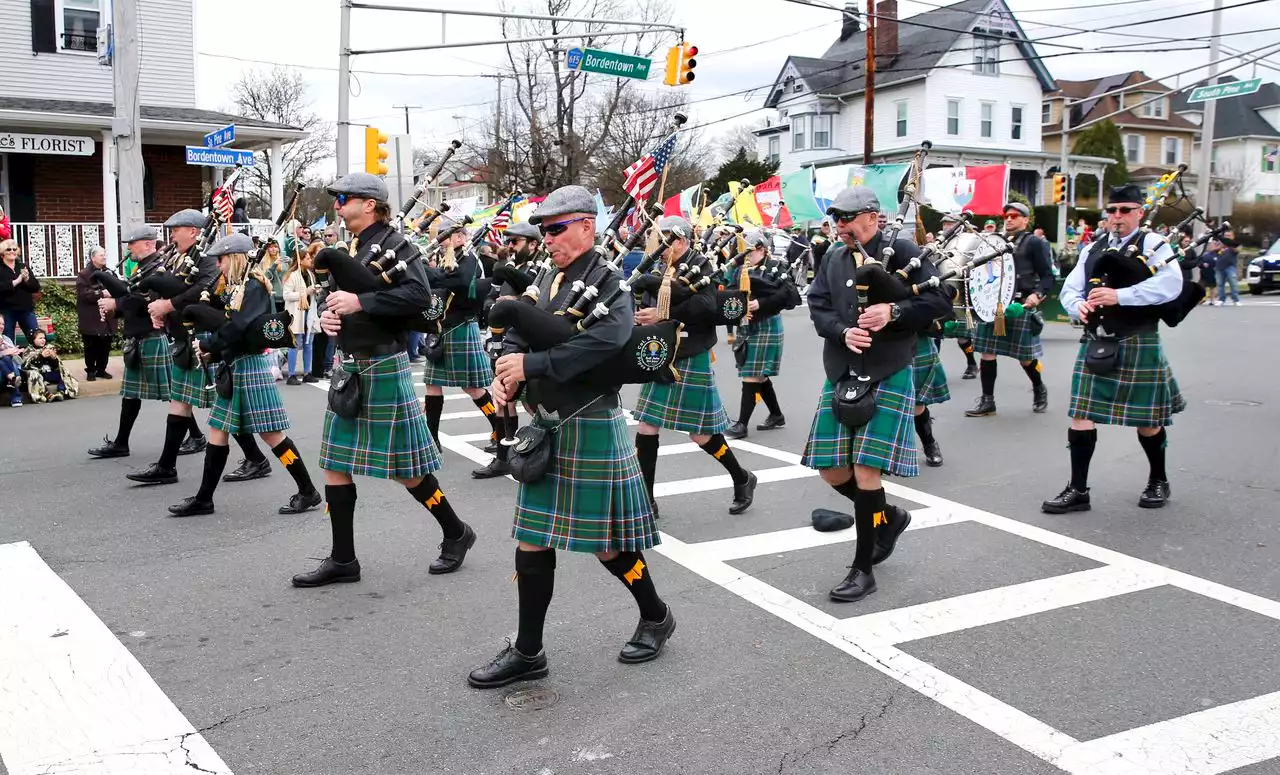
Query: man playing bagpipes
[591,496]
[1033,262]
[869,321]
[1121,376]
[692,403]
[246,399]
[374,425]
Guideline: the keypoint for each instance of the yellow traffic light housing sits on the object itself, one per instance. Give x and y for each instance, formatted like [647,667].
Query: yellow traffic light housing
[673,66]
[1059,189]
[680,64]
[375,152]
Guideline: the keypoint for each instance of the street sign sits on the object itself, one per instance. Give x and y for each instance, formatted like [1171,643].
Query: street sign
[1218,91]
[591,60]
[221,137]
[218,157]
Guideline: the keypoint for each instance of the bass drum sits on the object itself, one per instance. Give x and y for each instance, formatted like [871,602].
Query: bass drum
[991,286]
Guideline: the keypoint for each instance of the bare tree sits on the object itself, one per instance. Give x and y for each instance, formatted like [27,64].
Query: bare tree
[1239,178]
[742,136]
[643,120]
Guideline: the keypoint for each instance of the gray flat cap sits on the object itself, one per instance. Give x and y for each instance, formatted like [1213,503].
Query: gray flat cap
[675,224]
[854,200]
[361,185]
[232,243]
[523,229]
[563,201]
[1017,207]
[186,217]
[135,233]
[756,238]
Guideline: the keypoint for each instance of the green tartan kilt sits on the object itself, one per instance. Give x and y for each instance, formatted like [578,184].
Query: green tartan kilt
[1140,393]
[764,348]
[188,386]
[888,442]
[390,439]
[961,329]
[930,379]
[690,404]
[593,499]
[151,380]
[465,363]
[255,405]
[1017,342]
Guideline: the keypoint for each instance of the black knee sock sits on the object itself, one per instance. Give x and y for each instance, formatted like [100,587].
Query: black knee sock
[1032,368]
[428,493]
[987,373]
[434,407]
[749,392]
[485,404]
[924,426]
[868,514]
[287,453]
[631,569]
[536,582]
[215,462]
[193,427]
[340,503]
[1154,446]
[770,397]
[966,347]
[249,447]
[175,430]
[647,452]
[1081,444]
[849,489]
[129,408]
[718,448]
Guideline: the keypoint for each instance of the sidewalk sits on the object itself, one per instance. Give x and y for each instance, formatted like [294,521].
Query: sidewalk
[99,387]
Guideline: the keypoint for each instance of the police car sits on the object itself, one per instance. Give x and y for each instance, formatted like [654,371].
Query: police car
[1263,273]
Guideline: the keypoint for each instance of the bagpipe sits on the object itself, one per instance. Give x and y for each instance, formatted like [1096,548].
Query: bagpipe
[428,180]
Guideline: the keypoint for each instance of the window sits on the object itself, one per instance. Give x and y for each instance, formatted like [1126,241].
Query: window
[953,117]
[1015,122]
[902,119]
[788,83]
[986,54]
[79,21]
[798,129]
[1172,150]
[1152,109]
[1270,158]
[821,131]
[1046,113]
[797,88]
[1133,149]
[987,124]
[775,149]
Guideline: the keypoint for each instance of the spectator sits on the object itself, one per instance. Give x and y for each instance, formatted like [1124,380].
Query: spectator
[300,288]
[46,380]
[989,227]
[16,286]
[1208,262]
[240,215]
[1187,259]
[297,244]
[330,236]
[1086,233]
[275,266]
[6,229]
[1039,232]
[130,265]
[10,368]
[96,328]
[1225,268]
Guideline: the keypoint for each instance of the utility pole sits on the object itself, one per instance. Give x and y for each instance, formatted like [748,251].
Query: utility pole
[406,115]
[125,127]
[1062,170]
[1205,167]
[344,86]
[869,94]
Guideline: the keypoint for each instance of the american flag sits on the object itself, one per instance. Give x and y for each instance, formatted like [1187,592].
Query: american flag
[502,220]
[223,205]
[641,177]
[1274,153]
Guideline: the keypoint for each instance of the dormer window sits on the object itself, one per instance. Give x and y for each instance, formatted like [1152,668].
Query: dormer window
[789,85]
[1153,109]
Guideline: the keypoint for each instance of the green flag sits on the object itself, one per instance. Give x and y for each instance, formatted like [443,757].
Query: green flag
[797,193]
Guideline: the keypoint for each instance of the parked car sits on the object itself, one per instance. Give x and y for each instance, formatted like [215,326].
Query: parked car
[1263,273]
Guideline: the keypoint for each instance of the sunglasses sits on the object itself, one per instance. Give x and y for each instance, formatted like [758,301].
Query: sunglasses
[1007,216]
[845,217]
[1121,210]
[556,229]
[342,199]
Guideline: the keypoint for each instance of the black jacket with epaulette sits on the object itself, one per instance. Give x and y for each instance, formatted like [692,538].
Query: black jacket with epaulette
[377,325]
[228,342]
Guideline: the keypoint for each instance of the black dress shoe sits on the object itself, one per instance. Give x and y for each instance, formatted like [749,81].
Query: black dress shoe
[191,507]
[932,454]
[329,572]
[453,552]
[248,470]
[495,468]
[109,449]
[1155,496]
[1040,399]
[970,371]
[648,640]
[888,534]
[736,431]
[193,446]
[105,375]
[771,422]
[855,586]
[492,446]
[508,667]
[90,376]
[1070,499]
[986,406]
[154,474]
[301,502]
[743,495]
[310,379]
[293,379]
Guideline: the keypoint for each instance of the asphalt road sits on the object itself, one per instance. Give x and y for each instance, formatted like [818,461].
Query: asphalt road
[370,677]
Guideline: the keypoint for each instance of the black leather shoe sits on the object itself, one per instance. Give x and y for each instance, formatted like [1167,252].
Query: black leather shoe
[771,422]
[105,375]
[154,474]
[301,502]
[970,371]
[310,379]
[736,431]
[90,376]
[855,586]
[109,449]
[191,507]
[495,468]
[986,406]
[648,640]
[492,446]
[452,553]
[743,495]
[329,572]
[193,446]
[932,454]
[508,667]
[293,379]
[1155,496]
[887,535]
[1040,400]
[1070,499]
[247,470]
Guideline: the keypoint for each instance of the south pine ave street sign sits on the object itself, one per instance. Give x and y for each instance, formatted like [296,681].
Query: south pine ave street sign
[591,60]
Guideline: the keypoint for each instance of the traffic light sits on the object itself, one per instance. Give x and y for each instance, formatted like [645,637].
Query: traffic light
[1059,189]
[375,152]
[680,64]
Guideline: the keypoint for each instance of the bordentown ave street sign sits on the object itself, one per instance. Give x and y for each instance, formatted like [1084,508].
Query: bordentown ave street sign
[1218,91]
[591,60]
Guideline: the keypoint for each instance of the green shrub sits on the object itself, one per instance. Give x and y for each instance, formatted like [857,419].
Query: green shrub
[59,303]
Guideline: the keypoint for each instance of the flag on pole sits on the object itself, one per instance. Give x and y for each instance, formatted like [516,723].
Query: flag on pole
[319,224]
[640,178]
[223,204]
[978,190]
[768,196]
[797,192]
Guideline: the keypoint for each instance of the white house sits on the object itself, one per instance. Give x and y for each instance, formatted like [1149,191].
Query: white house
[1246,142]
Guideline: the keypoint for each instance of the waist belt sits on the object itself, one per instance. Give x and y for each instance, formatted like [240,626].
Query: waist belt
[391,348]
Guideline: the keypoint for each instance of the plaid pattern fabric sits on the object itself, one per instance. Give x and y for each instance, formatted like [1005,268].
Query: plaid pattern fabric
[1140,393]
[930,379]
[888,442]
[961,328]
[1017,342]
[690,404]
[255,405]
[593,499]
[151,380]
[764,348]
[390,439]
[187,386]
[465,363]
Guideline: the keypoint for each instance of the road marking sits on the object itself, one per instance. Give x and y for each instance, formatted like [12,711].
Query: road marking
[800,538]
[72,697]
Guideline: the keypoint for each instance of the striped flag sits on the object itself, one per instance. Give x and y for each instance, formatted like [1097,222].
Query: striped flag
[223,205]
[643,175]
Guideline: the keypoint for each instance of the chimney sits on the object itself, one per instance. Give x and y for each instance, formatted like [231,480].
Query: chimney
[851,24]
[887,28]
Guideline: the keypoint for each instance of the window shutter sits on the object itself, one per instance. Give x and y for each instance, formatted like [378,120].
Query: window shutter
[44,28]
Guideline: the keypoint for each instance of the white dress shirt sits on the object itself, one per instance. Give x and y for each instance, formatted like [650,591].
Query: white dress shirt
[1164,286]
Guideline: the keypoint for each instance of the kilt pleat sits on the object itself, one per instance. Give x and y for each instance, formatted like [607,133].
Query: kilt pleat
[888,442]
[390,439]
[764,348]
[690,404]
[188,386]
[465,363]
[151,380]
[255,405]
[929,376]
[593,499]
[1017,342]
[1140,393]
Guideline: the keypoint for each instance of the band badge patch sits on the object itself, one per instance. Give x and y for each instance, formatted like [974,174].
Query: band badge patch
[436,310]
[732,308]
[273,330]
[651,353]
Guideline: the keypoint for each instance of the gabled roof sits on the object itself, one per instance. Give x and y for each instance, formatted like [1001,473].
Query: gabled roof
[1237,116]
[822,76]
[1095,105]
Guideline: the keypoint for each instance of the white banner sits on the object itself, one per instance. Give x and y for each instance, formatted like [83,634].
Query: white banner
[53,145]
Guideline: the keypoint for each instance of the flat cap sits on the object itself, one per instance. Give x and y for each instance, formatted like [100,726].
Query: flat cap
[186,217]
[563,201]
[1129,192]
[361,185]
[675,224]
[949,218]
[523,229]
[135,233]
[854,200]
[1017,207]
[232,243]
[756,238]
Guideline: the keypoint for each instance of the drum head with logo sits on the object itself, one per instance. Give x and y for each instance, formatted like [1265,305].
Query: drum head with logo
[991,287]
